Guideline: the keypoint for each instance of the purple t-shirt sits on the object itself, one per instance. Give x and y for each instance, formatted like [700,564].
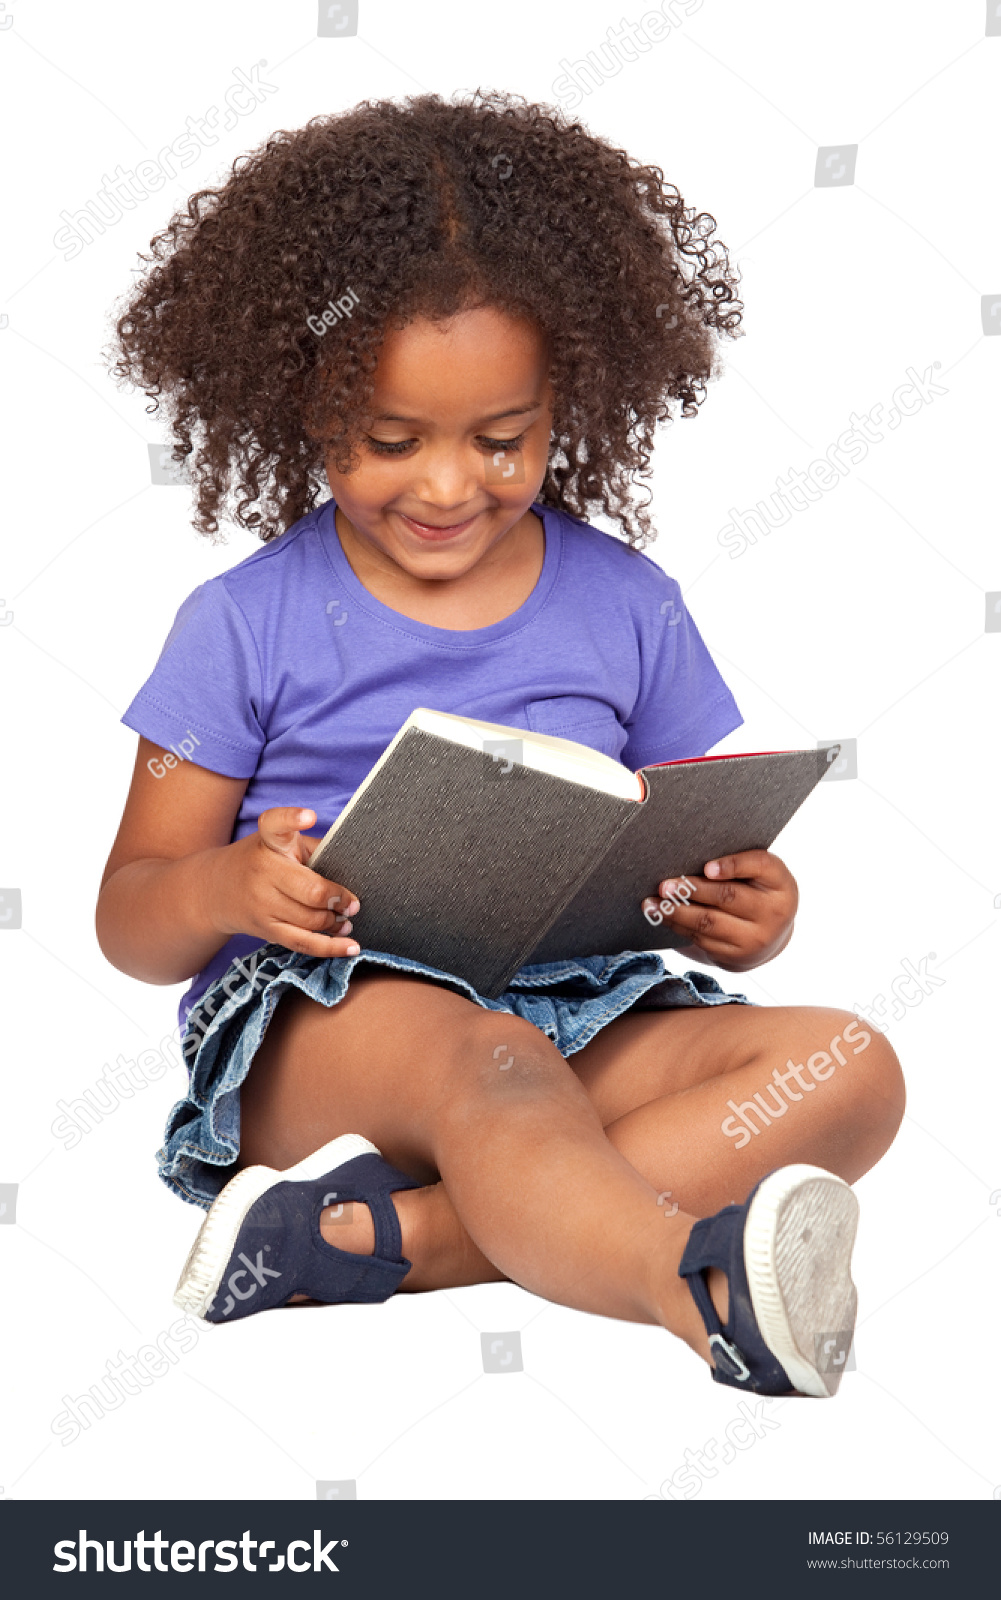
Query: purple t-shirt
[287,671]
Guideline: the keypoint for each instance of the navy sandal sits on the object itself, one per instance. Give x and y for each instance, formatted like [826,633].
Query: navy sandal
[261,1242]
[787,1256]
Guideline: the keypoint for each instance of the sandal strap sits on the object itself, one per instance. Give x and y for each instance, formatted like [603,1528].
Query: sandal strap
[710,1241]
[709,1245]
[739,1354]
[705,1249]
[373,1181]
[388,1238]
[339,1275]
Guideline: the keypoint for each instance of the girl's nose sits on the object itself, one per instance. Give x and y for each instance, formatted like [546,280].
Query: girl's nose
[448,479]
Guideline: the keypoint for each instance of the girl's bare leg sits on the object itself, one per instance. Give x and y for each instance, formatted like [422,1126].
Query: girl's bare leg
[442,1086]
[661,1083]
[406,1063]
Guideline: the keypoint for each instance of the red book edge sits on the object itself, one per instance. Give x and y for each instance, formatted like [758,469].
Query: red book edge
[684,761]
[732,755]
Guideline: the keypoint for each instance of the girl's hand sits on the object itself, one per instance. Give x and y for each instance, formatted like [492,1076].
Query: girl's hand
[741,913]
[262,885]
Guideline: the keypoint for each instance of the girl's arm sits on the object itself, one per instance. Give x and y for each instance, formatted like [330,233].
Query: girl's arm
[175,889]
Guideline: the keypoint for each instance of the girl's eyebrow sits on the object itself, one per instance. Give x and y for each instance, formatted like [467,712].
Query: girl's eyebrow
[498,416]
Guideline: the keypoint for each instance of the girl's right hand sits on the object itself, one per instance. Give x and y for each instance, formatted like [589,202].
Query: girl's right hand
[262,886]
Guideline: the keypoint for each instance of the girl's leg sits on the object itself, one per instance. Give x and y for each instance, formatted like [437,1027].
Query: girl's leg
[660,1083]
[486,1101]
[666,1085]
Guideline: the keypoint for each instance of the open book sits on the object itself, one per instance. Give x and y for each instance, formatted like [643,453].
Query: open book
[477,848]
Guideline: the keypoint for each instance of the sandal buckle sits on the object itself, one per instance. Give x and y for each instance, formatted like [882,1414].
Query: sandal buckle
[741,1372]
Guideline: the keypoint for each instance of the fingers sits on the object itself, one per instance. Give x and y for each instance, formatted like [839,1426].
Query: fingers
[745,901]
[681,898]
[279,831]
[760,865]
[313,944]
[735,884]
[294,905]
[315,904]
[713,930]
[317,926]
[279,828]
[308,843]
[296,894]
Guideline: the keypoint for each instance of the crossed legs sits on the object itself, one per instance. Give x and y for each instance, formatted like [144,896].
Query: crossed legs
[579,1179]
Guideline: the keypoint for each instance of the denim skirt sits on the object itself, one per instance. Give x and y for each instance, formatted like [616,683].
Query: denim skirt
[570,1001]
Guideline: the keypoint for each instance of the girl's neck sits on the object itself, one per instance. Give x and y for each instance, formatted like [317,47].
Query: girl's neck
[499,583]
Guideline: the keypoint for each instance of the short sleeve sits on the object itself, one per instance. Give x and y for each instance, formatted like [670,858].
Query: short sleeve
[684,707]
[206,688]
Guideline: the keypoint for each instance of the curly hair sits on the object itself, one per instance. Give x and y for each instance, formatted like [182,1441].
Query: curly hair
[422,208]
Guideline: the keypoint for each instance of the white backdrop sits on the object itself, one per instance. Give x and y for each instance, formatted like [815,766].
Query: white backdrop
[862,617]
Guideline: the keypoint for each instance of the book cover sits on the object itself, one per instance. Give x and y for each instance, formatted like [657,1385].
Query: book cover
[477,867]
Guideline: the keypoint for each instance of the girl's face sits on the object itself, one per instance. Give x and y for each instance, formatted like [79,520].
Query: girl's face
[456,445]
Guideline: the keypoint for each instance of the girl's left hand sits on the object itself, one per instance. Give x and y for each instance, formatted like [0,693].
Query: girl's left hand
[740,914]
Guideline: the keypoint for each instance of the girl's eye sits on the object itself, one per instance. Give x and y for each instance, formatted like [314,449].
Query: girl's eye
[503,444]
[383,448]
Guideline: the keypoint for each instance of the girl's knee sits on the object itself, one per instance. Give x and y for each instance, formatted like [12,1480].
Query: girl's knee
[502,1053]
[527,1042]
[436,1047]
[872,1082]
[888,1088]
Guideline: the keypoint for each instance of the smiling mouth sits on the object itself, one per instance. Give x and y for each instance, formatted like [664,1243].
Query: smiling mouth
[437,530]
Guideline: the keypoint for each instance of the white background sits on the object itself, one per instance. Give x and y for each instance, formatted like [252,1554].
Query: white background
[864,617]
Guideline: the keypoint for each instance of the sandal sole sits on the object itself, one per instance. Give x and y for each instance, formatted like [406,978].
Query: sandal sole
[798,1241]
[216,1238]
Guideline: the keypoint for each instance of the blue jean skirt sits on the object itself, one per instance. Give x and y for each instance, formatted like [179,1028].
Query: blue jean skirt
[570,1001]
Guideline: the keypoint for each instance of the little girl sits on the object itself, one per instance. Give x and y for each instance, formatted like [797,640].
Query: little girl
[470,316]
